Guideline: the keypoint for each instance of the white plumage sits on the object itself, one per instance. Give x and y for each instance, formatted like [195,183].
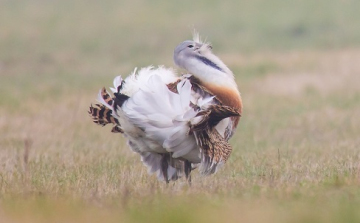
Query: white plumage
[175,123]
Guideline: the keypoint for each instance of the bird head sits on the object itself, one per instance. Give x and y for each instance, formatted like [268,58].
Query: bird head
[191,47]
[197,58]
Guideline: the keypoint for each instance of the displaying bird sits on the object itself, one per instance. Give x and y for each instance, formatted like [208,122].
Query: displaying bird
[176,124]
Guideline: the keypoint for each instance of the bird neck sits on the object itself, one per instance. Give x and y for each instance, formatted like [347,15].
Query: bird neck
[226,95]
[210,76]
[216,77]
[220,84]
[219,75]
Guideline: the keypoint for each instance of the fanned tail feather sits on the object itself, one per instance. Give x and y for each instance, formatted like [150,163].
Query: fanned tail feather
[102,114]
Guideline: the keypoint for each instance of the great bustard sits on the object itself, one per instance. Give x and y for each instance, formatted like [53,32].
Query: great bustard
[176,123]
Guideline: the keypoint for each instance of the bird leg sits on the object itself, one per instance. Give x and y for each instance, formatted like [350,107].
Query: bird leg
[164,167]
[187,170]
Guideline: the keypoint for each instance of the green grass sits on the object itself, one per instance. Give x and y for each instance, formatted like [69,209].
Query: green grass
[296,154]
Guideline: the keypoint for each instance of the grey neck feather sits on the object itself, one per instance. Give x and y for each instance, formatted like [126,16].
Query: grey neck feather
[208,62]
[198,59]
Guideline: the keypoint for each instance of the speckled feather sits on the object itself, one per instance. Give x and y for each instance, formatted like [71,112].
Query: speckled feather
[176,123]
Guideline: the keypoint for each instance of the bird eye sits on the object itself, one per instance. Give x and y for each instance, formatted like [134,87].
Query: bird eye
[191,46]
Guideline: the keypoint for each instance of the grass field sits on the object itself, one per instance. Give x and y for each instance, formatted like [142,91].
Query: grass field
[296,152]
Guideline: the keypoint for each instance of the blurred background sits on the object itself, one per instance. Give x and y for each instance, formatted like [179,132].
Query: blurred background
[61,42]
[297,64]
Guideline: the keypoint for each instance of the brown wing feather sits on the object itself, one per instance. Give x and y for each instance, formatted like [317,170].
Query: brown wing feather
[173,86]
[106,96]
[214,148]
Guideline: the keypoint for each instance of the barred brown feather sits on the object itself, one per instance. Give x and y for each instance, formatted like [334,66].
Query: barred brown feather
[106,97]
[102,115]
[213,146]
